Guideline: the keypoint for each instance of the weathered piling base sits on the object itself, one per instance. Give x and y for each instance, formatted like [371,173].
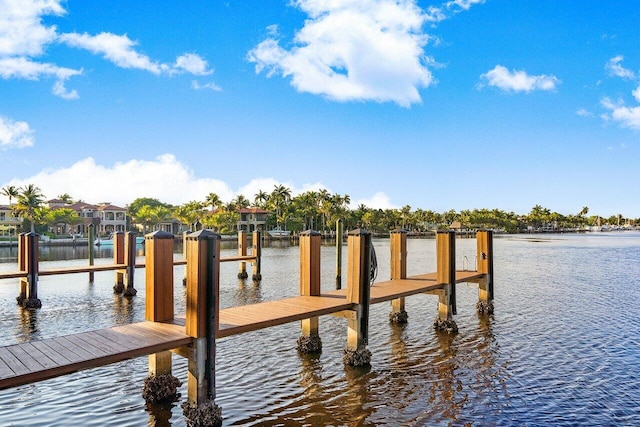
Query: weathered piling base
[358,357]
[161,388]
[309,344]
[31,303]
[484,307]
[130,292]
[399,317]
[445,325]
[243,275]
[118,288]
[206,414]
[256,277]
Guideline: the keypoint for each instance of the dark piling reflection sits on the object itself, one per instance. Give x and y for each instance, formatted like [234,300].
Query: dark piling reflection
[124,309]
[247,293]
[28,326]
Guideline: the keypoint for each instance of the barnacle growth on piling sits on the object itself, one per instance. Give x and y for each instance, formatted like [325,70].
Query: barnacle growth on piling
[309,344]
[207,414]
[160,388]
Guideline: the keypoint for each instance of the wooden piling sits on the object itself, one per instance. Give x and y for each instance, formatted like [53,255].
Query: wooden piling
[339,233]
[160,385]
[358,267]
[446,274]
[130,261]
[31,263]
[118,258]
[22,266]
[202,313]
[256,250]
[398,245]
[91,242]
[310,243]
[242,251]
[484,239]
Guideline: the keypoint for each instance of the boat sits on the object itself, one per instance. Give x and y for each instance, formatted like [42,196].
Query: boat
[109,241]
[279,232]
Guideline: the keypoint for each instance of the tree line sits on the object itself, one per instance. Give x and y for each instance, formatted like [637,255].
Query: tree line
[318,210]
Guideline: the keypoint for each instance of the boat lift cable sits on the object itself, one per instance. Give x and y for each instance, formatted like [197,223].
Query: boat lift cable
[373,266]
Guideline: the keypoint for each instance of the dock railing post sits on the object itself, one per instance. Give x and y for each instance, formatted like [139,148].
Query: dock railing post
[358,270]
[130,261]
[242,251]
[92,248]
[310,242]
[31,263]
[160,385]
[398,245]
[118,258]
[339,233]
[256,251]
[202,317]
[484,240]
[446,274]
[22,266]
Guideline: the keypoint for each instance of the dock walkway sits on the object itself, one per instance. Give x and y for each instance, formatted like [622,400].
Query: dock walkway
[43,359]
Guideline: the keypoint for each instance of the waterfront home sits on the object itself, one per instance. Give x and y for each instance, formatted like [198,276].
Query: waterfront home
[9,223]
[252,219]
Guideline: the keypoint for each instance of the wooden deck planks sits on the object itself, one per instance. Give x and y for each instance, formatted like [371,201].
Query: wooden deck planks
[38,360]
[236,320]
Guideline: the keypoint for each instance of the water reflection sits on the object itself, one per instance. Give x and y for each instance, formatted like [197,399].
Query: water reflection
[247,293]
[28,325]
[160,413]
[123,310]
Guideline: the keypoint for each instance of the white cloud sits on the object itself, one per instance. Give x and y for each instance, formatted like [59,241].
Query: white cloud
[15,134]
[24,37]
[117,49]
[627,117]
[210,85]
[354,51]
[636,93]
[463,4]
[21,29]
[378,201]
[164,178]
[615,68]
[192,63]
[517,81]
[584,113]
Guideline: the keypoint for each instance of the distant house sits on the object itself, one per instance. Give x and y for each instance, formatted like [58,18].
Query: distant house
[9,223]
[106,217]
[252,219]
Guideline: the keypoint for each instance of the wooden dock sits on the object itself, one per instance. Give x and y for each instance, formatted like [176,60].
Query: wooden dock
[43,359]
[194,336]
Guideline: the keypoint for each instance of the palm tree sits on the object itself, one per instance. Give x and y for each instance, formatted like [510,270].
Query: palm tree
[213,200]
[10,191]
[30,200]
[260,198]
[66,198]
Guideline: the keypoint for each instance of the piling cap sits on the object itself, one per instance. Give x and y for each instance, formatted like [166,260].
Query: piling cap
[358,232]
[400,230]
[203,234]
[159,235]
[310,233]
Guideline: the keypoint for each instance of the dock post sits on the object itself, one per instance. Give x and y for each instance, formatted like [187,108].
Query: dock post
[130,261]
[446,274]
[256,251]
[339,233]
[484,240]
[184,254]
[202,317]
[160,385]
[31,264]
[358,268]
[92,248]
[398,246]
[22,266]
[242,251]
[118,258]
[310,242]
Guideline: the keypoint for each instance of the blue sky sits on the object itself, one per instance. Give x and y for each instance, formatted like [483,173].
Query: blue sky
[455,105]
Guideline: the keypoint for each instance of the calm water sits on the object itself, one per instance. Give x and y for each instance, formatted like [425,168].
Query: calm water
[563,347]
